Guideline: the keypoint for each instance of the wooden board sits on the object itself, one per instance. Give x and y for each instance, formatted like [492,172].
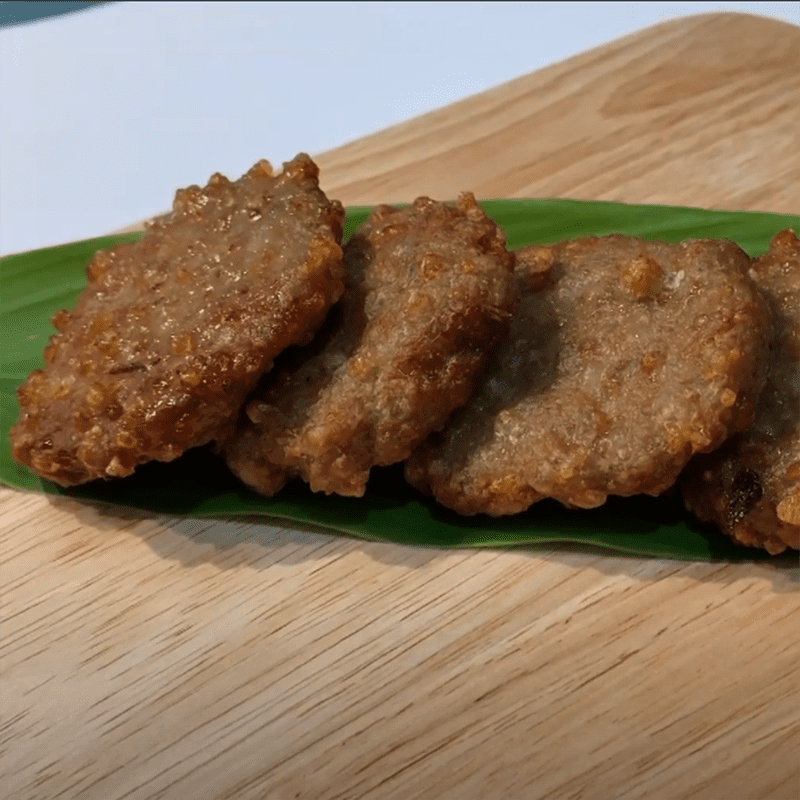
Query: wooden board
[700,111]
[145,657]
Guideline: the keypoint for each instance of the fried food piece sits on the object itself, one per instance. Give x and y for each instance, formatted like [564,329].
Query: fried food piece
[173,331]
[429,290]
[634,356]
[750,487]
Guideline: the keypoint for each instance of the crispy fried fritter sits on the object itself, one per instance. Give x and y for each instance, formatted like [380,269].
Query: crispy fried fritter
[429,290]
[173,331]
[750,487]
[635,355]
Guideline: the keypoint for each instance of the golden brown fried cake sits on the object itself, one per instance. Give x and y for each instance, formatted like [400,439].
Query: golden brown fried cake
[173,331]
[634,356]
[430,290]
[750,487]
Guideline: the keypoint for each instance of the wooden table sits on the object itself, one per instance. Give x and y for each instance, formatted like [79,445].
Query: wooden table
[150,657]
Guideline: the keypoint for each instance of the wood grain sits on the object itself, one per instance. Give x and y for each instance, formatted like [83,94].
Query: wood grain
[699,111]
[146,657]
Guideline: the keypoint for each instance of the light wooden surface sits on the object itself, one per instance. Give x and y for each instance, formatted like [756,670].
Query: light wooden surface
[145,657]
[700,111]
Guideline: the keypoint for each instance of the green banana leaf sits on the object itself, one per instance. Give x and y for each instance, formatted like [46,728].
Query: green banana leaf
[35,285]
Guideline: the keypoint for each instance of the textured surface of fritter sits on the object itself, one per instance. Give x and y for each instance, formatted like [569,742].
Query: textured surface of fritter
[429,290]
[633,357]
[750,487]
[173,331]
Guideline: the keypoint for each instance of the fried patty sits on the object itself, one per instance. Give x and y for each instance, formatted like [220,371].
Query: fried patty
[750,487]
[429,291]
[633,357]
[173,331]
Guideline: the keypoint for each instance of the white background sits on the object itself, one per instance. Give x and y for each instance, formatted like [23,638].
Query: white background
[105,112]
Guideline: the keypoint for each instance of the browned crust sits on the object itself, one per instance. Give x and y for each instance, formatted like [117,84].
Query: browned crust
[635,356]
[750,487]
[430,290]
[173,331]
